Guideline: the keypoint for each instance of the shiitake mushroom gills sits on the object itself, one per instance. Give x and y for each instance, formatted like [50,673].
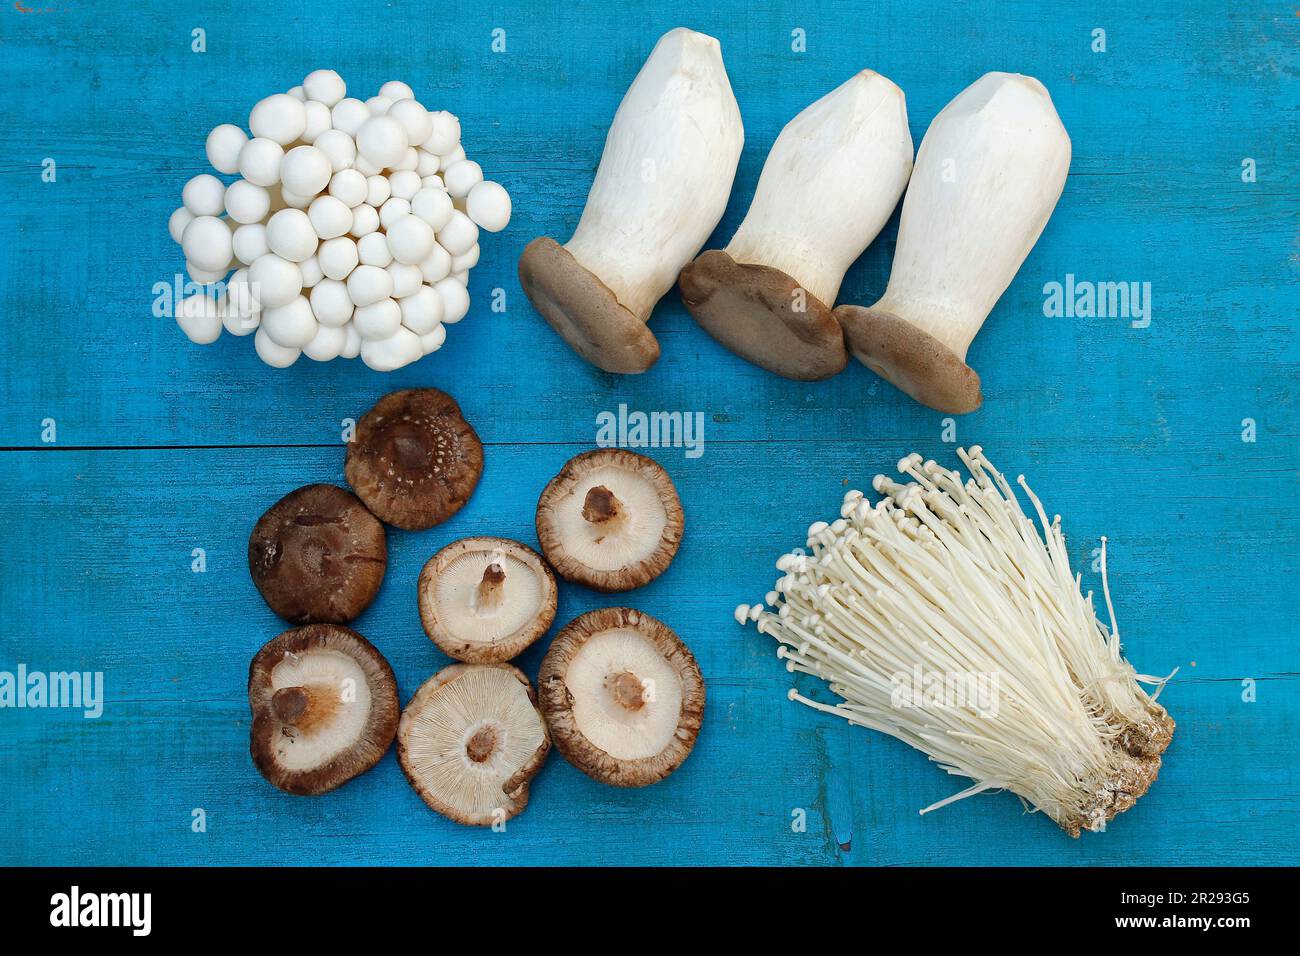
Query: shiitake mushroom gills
[414,460]
[623,696]
[317,555]
[325,708]
[470,741]
[485,600]
[611,520]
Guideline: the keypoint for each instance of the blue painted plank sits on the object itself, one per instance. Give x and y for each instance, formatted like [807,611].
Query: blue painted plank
[1135,433]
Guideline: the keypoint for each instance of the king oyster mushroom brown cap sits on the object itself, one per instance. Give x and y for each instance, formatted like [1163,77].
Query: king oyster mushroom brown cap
[318,555]
[470,741]
[611,520]
[414,460]
[325,708]
[623,696]
[484,600]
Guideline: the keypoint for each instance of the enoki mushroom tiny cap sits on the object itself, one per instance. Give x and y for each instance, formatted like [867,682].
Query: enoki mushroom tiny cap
[324,705]
[623,697]
[485,600]
[470,741]
[414,461]
[611,520]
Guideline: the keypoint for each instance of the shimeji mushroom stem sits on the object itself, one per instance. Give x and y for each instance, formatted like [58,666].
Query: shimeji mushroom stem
[945,576]
[662,186]
[988,174]
[830,182]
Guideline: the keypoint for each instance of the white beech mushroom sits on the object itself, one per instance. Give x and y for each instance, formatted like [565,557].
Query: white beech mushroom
[988,174]
[470,741]
[485,600]
[325,708]
[830,183]
[662,186]
[622,695]
[951,580]
[611,520]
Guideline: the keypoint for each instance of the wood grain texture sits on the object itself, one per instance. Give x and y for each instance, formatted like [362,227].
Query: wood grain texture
[164,447]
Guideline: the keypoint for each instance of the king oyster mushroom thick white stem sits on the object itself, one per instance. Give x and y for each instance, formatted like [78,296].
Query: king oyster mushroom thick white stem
[661,188]
[830,182]
[988,174]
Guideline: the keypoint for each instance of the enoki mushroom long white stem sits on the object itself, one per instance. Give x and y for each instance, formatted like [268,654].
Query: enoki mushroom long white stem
[950,581]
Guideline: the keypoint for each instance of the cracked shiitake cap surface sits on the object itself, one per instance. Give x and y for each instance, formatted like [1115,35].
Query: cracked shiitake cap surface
[611,520]
[623,696]
[484,600]
[325,708]
[470,741]
[317,555]
[414,460]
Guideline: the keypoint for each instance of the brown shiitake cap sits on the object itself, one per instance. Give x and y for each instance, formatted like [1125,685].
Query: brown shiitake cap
[470,741]
[611,520]
[623,697]
[764,316]
[325,708]
[485,600]
[318,555]
[911,359]
[414,460]
[584,311]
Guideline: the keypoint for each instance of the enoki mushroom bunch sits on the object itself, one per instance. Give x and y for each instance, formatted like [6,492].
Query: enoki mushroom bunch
[944,581]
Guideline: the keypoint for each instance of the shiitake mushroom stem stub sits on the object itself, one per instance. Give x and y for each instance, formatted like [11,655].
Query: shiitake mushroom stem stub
[490,593]
[601,505]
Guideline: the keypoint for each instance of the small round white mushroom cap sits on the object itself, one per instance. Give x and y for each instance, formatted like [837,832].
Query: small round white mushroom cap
[623,696]
[223,146]
[488,205]
[470,741]
[611,520]
[280,118]
[325,708]
[485,600]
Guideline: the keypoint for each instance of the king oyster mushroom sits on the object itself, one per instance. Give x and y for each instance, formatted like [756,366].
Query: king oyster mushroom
[988,174]
[484,600]
[318,555]
[611,520]
[828,186]
[623,697]
[662,186]
[325,708]
[414,459]
[470,741]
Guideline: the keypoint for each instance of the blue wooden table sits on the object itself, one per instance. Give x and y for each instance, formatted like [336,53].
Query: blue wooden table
[1178,438]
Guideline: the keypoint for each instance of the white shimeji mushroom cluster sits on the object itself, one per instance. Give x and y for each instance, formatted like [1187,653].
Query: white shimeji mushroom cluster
[351,229]
[951,576]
